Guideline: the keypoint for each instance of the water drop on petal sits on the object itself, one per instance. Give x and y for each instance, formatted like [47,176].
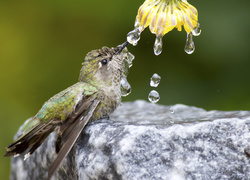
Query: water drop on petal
[153,96]
[141,28]
[138,26]
[158,45]
[125,87]
[197,30]
[189,47]
[155,80]
[134,36]
[137,23]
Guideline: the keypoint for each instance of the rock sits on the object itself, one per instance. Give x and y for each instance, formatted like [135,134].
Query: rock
[148,141]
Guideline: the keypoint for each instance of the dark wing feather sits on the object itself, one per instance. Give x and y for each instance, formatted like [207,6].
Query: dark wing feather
[71,137]
[80,110]
[33,139]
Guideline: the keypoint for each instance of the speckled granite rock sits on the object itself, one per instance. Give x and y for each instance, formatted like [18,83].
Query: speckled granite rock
[148,141]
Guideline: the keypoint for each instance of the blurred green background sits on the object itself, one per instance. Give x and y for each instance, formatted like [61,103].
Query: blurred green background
[43,43]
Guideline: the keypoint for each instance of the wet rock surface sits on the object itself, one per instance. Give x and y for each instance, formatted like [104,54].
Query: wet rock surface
[148,141]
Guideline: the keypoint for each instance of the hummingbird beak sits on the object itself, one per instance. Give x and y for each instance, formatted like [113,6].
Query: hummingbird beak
[120,47]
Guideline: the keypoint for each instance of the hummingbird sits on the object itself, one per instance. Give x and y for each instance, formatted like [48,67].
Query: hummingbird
[95,96]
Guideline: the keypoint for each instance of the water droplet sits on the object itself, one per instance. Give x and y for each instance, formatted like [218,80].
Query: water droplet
[127,59]
[189,47]
[127,56]
[137,23]
[171,121]
[125,87]
[134,36]
[158,45]
[126,69]
[171,110]
[153,96]
[197,30]
[155,80]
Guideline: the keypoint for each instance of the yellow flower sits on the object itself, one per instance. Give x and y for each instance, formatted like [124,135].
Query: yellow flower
[163,16]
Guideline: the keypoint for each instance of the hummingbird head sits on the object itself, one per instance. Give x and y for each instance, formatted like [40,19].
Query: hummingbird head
[103,67]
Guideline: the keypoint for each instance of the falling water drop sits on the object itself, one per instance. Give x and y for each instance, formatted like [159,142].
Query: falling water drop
[127,56]
[189,47]
[125,87]
[153,96]
[127,59]
[134,36]
[126,69]
[197,30]
[158,45]
[155,80]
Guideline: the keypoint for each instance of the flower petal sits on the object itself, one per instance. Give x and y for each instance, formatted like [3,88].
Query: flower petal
[163,16]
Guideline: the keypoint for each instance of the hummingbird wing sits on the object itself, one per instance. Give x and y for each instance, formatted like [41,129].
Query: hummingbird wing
[64,106]
[72,136]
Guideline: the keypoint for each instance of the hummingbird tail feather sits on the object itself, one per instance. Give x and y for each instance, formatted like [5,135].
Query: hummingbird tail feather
[31,140]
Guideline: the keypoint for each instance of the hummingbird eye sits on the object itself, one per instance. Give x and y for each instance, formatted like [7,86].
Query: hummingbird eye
[104,61]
